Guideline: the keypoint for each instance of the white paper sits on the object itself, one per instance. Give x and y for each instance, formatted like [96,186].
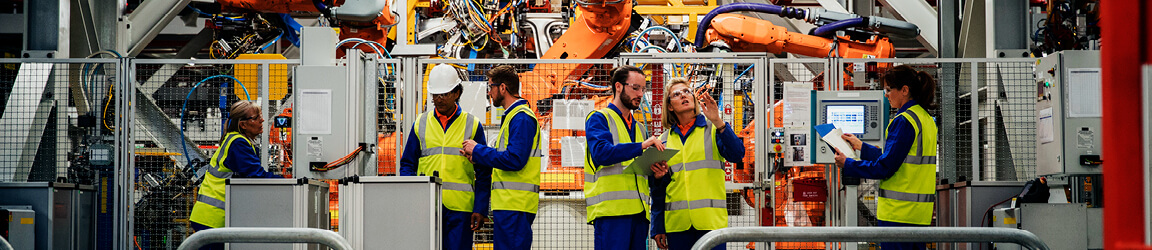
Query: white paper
[316,105]
[1044,128]
[1084,92]
[474,99]
[797,104]
[833,138]
[572,151]
[571,114]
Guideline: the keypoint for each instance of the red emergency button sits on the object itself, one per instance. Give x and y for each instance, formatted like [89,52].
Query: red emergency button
[778,148]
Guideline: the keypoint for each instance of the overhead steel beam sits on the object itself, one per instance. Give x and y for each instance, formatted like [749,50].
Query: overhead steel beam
[136,31]
[25,117]
[921,14]
[46,28]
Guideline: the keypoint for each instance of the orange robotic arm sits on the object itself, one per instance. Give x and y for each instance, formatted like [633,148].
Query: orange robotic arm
[374,30]
[743,33]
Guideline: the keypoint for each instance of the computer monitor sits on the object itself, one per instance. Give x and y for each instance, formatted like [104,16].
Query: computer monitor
[849,118]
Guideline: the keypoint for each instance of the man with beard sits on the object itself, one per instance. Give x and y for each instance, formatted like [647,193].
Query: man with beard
[515,162]
[618,202]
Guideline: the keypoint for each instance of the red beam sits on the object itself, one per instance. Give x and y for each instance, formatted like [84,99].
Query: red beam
[1125,32]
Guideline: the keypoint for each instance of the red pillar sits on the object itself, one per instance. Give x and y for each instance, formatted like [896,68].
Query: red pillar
[1126,31]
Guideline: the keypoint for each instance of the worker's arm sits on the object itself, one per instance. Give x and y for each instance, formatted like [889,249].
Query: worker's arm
[870,152]
[899,143]
[522,131]
[483,177]
[731,146]
[410,159]
[602,148]
[242,160]
[658,187]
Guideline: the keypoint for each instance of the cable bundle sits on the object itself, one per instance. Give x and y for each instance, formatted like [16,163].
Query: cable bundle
[342,161]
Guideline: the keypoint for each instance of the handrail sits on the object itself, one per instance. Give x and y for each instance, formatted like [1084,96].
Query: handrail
[265,235]
[869,234]
[4,244]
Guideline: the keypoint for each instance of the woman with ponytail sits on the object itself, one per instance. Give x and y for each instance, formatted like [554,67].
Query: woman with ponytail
[906,167]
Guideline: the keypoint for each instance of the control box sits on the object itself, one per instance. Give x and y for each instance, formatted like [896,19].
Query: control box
[861,113]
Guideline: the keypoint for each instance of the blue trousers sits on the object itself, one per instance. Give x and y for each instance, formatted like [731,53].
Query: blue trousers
[684,240]
[200,227]
[621,232]
[512,229]
[900,245]
[457,234]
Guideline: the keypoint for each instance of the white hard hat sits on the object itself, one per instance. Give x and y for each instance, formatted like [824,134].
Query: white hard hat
[443,79]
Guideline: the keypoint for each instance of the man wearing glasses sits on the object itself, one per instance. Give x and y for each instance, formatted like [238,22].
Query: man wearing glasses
[515,162]
[618,203]
[434,150]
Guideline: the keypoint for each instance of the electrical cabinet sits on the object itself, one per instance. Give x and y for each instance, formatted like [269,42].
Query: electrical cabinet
[65,216]
[401,212]
[1068,109]
[276,203]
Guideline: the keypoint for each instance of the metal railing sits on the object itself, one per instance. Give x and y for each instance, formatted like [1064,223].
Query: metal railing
[869,234]
[265,235]
[4,244]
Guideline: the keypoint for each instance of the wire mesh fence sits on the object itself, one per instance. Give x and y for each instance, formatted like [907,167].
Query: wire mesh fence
[58,119]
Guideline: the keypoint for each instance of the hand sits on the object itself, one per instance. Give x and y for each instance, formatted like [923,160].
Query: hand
[851,139]
[661,241]
[708,107]
[653,141]
[840,158]
[660,169]
[478,221]
[469,145]
[467,155]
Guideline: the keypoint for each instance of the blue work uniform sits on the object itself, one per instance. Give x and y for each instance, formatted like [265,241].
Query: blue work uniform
[730,146]
[512,229]
[457,231]
[244,163]
[623,231]
[882,164]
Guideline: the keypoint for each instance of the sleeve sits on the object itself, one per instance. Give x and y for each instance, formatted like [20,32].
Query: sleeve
[658,189]
[899,142]
[601,147]
[242,160]
[519,146]
[483,185]
[410,159]
[869,152]
[731,147]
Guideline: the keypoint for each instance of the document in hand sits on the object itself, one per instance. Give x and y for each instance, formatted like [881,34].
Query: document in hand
[831,134]
[643,164]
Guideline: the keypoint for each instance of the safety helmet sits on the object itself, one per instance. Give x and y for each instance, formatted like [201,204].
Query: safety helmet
[443,79]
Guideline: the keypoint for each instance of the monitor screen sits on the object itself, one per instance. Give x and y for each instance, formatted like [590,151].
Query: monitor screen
[849,118]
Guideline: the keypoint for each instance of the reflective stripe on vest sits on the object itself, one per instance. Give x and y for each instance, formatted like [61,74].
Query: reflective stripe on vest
[440,154]
[210,201]
[608,190]
[618,195]
[516,186]
[696,204]
[517,190]
[908,196]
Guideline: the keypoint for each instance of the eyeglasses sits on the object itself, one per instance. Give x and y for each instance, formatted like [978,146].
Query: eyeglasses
[684,92]
[437,96]
[493,85]
[635,87]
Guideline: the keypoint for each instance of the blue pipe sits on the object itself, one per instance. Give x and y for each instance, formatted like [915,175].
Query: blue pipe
[184,107]
[830,28]
[788,12]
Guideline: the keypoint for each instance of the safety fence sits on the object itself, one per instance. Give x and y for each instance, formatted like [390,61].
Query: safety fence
[141,130]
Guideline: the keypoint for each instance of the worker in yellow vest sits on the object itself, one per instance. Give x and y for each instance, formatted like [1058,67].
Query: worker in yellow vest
[433,149]
[906,167]
[236,157]
[691,201]
[515,162]
[618,202]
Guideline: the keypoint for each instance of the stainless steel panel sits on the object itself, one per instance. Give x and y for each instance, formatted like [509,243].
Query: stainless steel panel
[1061,226]
[276,203]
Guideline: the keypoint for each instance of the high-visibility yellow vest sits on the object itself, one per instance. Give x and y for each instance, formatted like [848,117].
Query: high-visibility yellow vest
[608,191]
[209,207]
[695,197]
[908,196]
[440,154]
[517,190]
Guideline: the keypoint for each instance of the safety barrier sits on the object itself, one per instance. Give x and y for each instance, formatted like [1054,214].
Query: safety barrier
[265,235]
[4,244]
[871,234]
